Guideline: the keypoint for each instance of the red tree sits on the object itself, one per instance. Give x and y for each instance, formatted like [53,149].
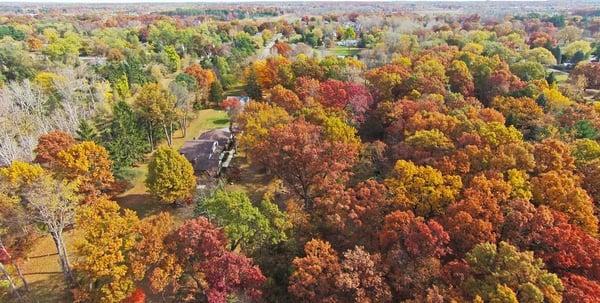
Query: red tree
[50,144]
[304,158]
[138,296]
[581,290]
[333,94]
[197,265]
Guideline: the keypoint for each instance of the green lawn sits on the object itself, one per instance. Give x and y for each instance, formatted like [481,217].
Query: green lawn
[345,51]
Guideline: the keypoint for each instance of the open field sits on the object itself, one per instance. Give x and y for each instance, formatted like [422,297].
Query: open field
[345,51]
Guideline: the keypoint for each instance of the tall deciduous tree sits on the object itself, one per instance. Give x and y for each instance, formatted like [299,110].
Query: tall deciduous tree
[560,191]
[314,277]
[492,268]
[244,223]
[108,234]
[50,144]
[304,158]
[204,78]
[157,107]
[256,120]
[422,189]
[198,267]
[52,204]
[284,98]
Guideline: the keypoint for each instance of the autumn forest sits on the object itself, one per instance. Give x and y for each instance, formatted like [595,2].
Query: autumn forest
[300,152]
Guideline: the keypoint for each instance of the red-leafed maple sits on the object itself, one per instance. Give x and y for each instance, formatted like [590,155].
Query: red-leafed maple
[50,144]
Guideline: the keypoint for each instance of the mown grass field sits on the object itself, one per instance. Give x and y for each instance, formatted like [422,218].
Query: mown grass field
[345,51]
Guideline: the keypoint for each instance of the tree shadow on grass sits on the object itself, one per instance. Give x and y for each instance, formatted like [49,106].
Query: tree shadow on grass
[143,204]
[50,290]
[220,121]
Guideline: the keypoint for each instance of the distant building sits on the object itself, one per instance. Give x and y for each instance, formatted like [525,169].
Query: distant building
[209,151]
[93,60]
[348,43]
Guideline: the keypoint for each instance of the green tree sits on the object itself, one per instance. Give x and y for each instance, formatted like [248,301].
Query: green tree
[253,88]
[11,31]
[245,224]
[216,93]
[65,49]
[498,272]
[170,176]
[585,129]
[349,33]
[528,70]
[173,61]
[14,63]
[86,131]
[124,138]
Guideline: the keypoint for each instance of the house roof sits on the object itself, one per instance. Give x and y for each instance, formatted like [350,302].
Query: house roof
[202,154]
[221,135]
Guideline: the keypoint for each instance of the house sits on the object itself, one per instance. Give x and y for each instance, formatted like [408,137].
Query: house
[207,152]
[93,60]
[348,43]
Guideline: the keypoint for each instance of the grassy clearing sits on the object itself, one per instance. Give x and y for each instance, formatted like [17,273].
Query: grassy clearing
[345,51]
[560,76]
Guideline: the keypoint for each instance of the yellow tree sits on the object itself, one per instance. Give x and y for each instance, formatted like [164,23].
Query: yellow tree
[170,176]
[422,189]
[89,164]
[44,202]
[560,190]
[157,108]
[108,234]
[256,120]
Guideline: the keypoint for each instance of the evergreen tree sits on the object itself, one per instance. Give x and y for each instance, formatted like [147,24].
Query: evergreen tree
[87,131]
[216,93]
[253,88]
[125,140]
[577,57]
[556,51]
[551,79]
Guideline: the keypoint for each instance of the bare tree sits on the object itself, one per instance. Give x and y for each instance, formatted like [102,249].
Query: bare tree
[52,203]
[24,114]
[184,101]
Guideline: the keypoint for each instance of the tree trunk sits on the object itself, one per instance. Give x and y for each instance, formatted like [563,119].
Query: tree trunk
[63,256]
[21,276]
[16,266]
[11,283]
[184,124]
[167,134]
[150,137]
